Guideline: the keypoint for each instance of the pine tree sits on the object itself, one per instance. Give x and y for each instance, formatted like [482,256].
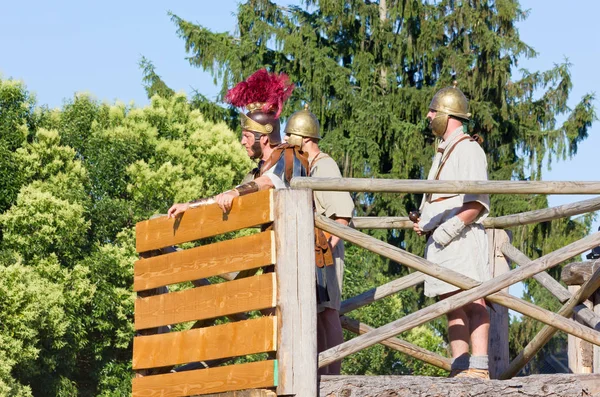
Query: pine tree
[369,70]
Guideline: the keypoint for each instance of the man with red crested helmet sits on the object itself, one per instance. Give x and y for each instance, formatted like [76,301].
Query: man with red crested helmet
[263,95]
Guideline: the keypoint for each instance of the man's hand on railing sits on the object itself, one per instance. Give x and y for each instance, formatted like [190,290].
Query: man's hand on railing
[176,209]
[225,199]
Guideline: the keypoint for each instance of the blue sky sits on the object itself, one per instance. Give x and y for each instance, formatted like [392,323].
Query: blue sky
[62,47]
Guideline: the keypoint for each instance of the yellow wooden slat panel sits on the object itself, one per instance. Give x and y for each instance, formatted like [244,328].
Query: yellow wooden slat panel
[238,296]
[255,375]
[222,341]
[210,260]
[205,221]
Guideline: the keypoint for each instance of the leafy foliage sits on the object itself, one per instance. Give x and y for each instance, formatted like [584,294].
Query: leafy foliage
[77,180]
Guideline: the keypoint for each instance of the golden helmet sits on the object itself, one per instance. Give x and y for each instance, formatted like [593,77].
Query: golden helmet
[449,101]
[303,123]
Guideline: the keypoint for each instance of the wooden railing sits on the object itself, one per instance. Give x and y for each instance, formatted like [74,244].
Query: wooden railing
[190,361]
[494,290]
[166,362]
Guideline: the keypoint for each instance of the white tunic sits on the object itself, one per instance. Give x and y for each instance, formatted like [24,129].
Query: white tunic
[468,252]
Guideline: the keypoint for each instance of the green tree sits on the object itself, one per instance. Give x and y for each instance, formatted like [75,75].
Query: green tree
[369,70]
[86,174]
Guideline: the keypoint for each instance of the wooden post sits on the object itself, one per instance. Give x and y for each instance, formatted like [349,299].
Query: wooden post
[296,306]
[498,335]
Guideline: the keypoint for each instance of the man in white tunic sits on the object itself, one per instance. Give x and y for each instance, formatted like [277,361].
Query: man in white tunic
[456,237]
[302,130]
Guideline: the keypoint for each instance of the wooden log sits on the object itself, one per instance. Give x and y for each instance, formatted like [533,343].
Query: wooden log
[547,331]
[210,343]
[501,222]
[209,260]
[261,374]
[204,221]
[374,294]
[544,215]
[384,222]
[238,296]
[563,385]
[484,289]
[459,187]
[296,305]
[459,280]
[581,313]
[398,344]
[498,354]
[576,273]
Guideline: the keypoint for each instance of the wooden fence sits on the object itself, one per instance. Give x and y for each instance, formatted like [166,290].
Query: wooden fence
[166,360]
[494,290]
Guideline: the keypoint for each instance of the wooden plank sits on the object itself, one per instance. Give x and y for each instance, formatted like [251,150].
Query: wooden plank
[251,293]
[459,187]
[227,340]
[398,344]
[297,306]
[255,375]
[246,393]
[205,221]
[498,352]
[210,260]
[491,289]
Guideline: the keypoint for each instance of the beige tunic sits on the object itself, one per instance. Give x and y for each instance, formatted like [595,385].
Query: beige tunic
[468,252]
[332,205]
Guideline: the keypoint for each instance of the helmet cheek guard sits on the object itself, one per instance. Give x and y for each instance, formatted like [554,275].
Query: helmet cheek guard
[439,123]
[449,101]
[295,140]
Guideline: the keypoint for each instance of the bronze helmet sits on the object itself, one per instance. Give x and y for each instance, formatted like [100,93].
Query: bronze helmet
[303,123]
[260,122]
[449,101]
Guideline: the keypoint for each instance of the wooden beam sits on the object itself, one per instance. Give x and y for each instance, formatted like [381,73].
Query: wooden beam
[544,215]
[459,187]
[211,343]
[563,385]
[501,222]
[261,374]
[580,312]
[484,289]
[398,344]
[547,332]
[204,221]
[576,273]
[374,294]
[209,260]
[457,279]
[296,305]
[382,222]
[238,296]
